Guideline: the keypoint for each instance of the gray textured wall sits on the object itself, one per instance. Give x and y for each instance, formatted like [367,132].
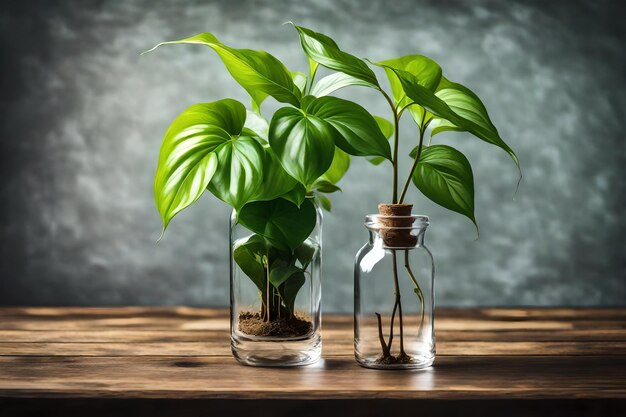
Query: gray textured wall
[83,116]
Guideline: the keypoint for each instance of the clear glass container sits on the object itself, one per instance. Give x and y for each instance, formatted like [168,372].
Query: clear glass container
[394,295]
[288,332]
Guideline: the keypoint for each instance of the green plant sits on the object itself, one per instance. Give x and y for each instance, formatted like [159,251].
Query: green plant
[268,171]
[234,152]
[442,173]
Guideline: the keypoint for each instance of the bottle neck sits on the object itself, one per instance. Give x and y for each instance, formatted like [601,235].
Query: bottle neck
[391,238]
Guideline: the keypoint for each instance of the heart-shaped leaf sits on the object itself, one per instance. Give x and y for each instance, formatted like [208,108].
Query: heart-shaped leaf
[358,131]
[427,73]
[438,107]
[188,159]
[305,144]
[240,171]
[444,175]
[283,223]
[323,50]
[258,72]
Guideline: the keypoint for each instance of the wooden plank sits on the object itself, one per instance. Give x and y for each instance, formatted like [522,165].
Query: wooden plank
[498,313]
[211,319]
[329,332]
[535,313]
[209,324]
[343,347]
[466,377]
[124,312]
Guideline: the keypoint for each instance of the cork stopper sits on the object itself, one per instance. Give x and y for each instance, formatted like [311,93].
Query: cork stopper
[395,225]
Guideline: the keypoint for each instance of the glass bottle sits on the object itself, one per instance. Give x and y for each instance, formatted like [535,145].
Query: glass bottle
[288,332]
[394,295]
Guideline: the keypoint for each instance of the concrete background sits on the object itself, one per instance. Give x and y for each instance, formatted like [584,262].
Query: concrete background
[83,116]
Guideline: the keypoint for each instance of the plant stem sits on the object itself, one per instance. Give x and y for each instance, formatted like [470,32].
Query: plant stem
[383,345]
[417,158]
[418,289]
[398,301]
[396,136]
[393,317]
[398,304]
[396,146]
[389,100]
[267,295]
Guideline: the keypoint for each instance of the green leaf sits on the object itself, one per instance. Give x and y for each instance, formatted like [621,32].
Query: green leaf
[283,223]
[466,104]
[323,186]
[312,67]
[289,290]
[358,131]
[324,201]
[470,118]
[336,81]
[251,256]
[303,138]
[387,129]
[305,144]
[444,175]
[385,126]
[188,160]
[258,72]
[300,80]
[323,50]
[339,166]
[296,195]
[427,73]
[305,253]
[257,124]
[276,182]
[280,274]
[240,171]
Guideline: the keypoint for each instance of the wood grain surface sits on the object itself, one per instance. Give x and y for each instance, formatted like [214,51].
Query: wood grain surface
[182,354]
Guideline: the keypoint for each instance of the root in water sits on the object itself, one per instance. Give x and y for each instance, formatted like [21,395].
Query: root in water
[253,324]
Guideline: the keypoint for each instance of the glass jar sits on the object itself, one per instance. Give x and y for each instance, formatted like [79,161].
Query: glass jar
[275,326]
[394,295]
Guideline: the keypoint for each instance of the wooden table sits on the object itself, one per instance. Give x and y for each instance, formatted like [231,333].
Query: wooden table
[176,361]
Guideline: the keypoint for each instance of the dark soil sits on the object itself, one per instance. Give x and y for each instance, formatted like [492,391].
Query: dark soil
[391,360]
[253,324]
